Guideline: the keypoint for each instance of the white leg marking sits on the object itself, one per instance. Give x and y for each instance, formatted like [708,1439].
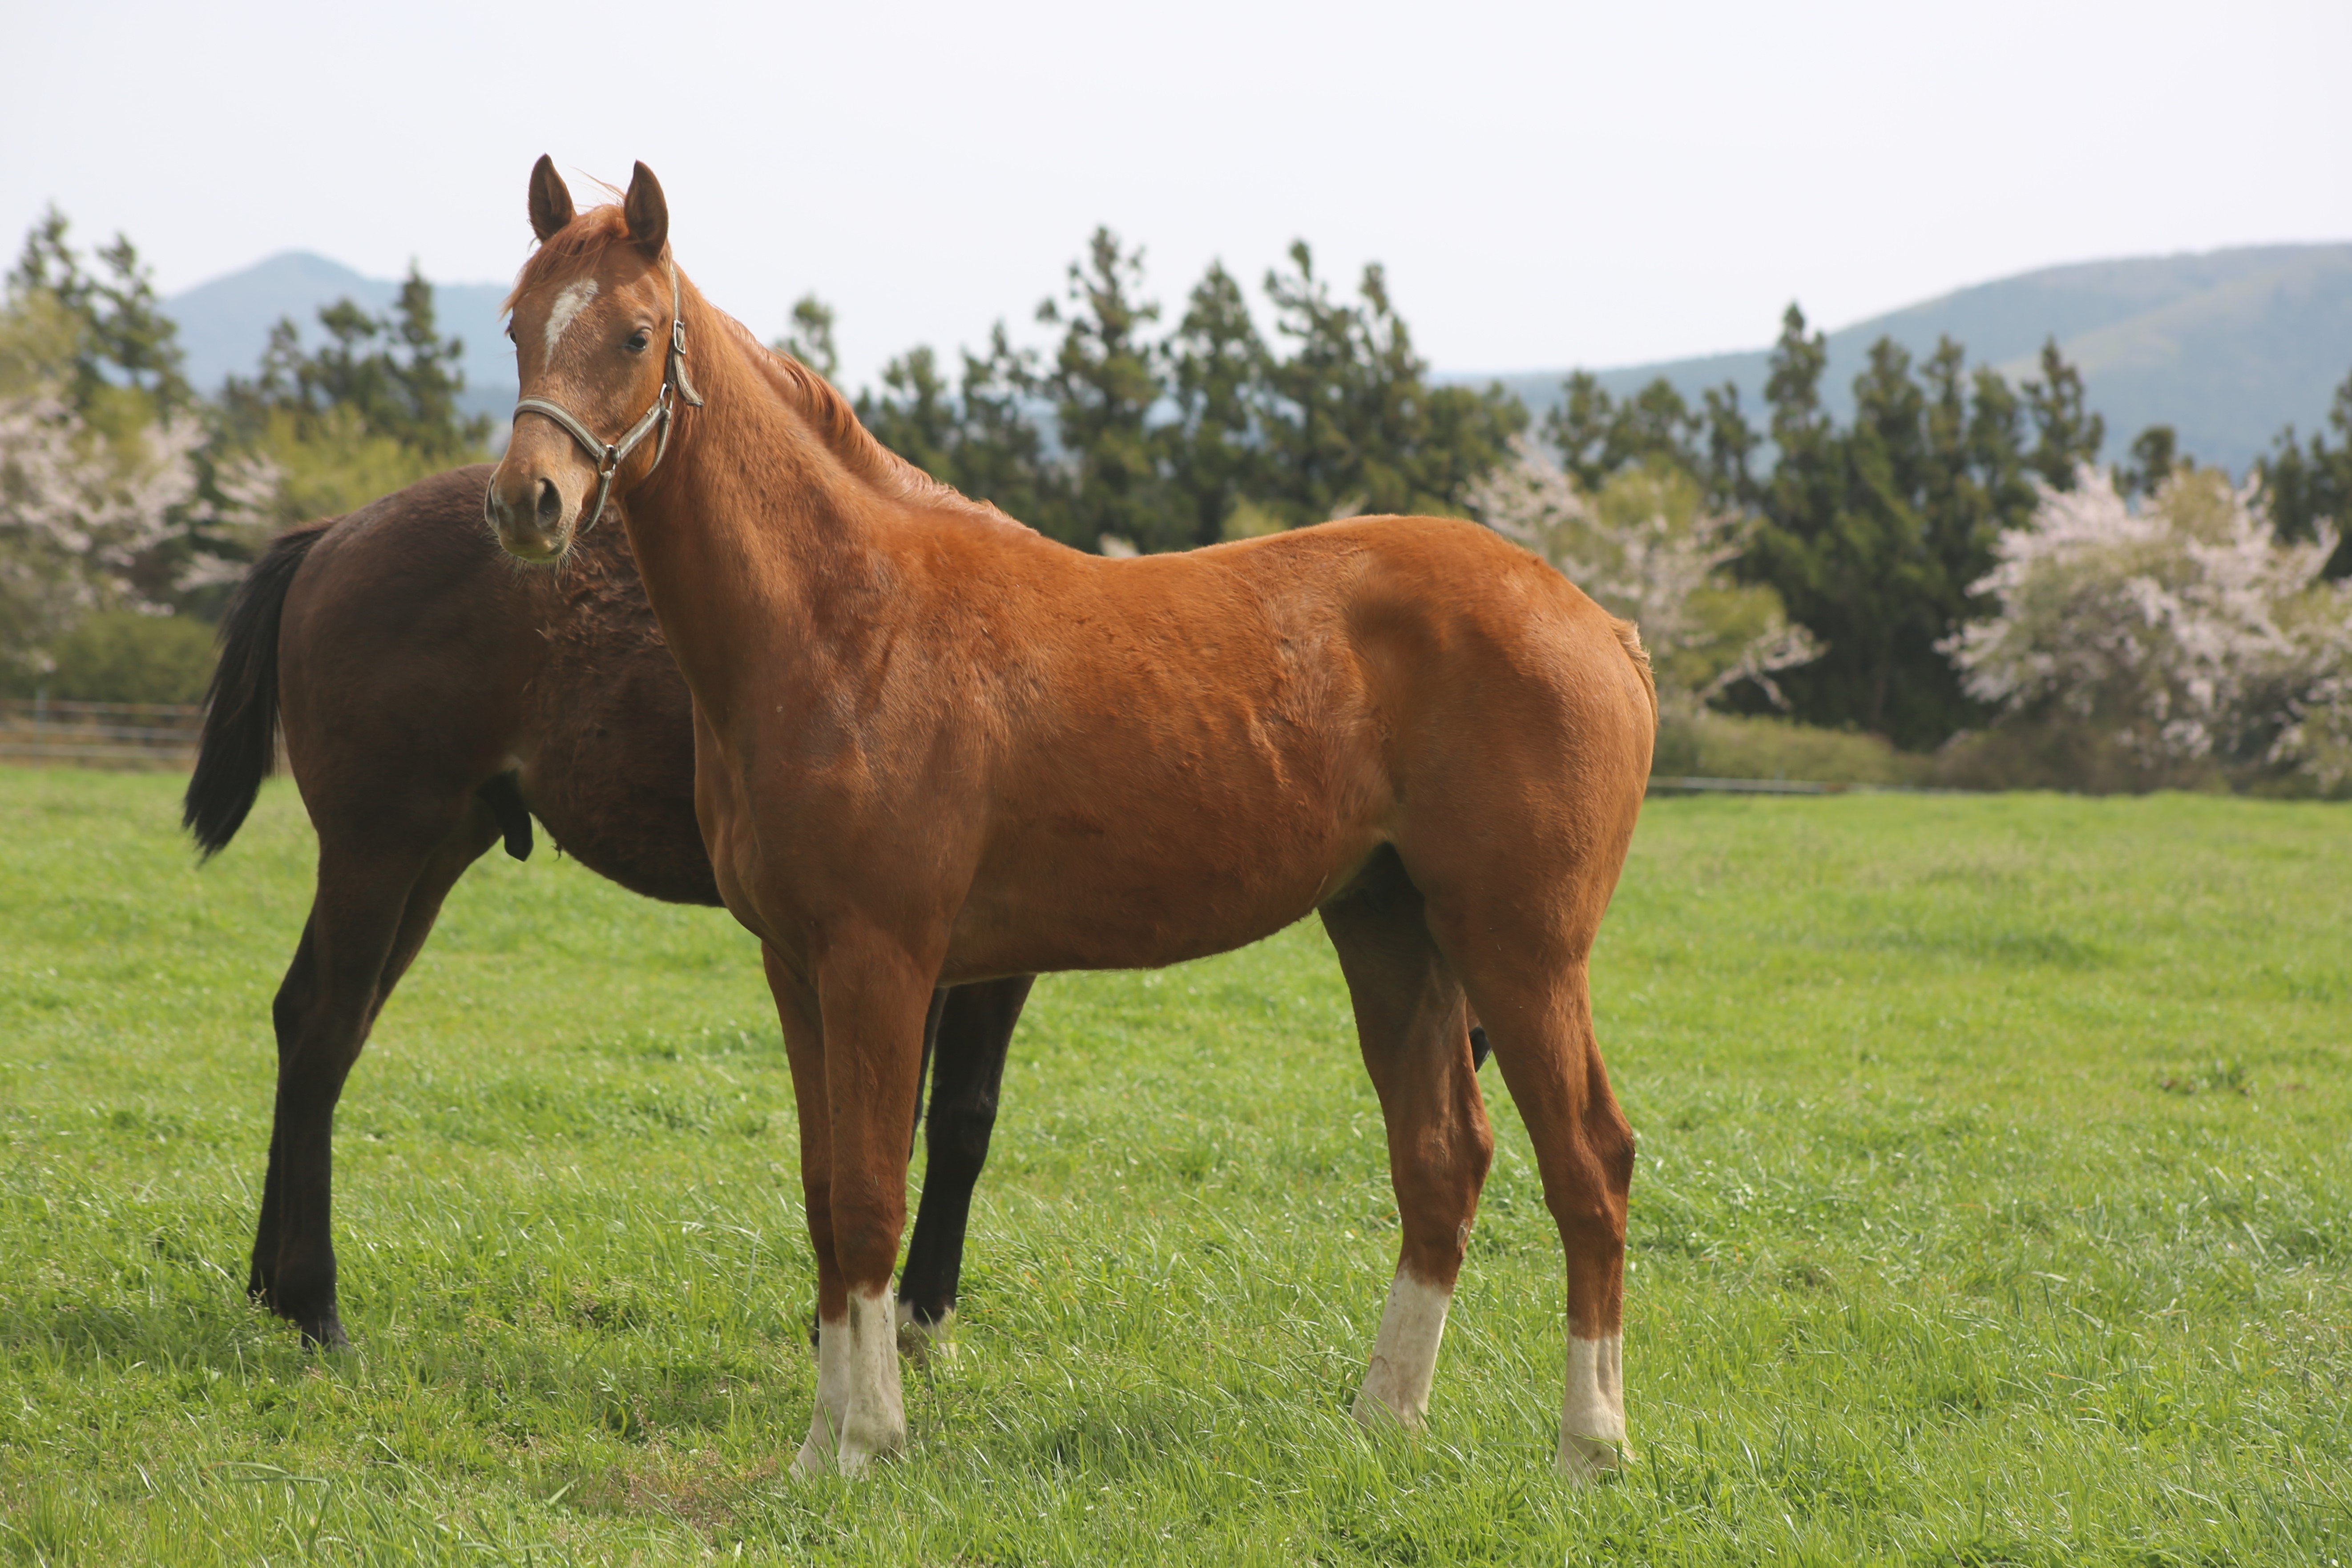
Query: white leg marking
[568,304]
[832,1399]
[1404,1357]
[1592,1411]
[876,1420]
[923,1342]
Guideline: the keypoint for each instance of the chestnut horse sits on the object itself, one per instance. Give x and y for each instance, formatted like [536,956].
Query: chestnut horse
[434,701]
[932,746]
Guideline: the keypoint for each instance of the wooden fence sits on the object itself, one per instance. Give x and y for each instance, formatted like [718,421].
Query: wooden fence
[164,735]
[99,734]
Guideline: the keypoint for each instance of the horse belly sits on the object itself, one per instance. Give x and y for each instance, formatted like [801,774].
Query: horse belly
[1134,879]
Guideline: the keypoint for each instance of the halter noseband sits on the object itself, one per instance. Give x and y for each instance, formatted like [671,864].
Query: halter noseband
[610,456]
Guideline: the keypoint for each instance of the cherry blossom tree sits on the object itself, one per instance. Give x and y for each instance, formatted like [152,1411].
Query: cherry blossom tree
[1646,546]
[80,512]
[2183,631]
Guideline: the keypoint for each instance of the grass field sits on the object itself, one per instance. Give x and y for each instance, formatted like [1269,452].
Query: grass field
[1994,1206]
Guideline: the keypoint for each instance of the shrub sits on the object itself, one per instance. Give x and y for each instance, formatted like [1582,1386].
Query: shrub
[1703,744]
[120,655]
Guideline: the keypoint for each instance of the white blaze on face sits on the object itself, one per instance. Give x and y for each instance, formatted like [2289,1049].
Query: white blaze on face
[1404,1356]
[568,304]
[860,1411]
[1592,1410]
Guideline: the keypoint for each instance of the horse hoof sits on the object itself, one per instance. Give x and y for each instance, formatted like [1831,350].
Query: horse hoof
[1584,1460]
[927,1343]
[326,1334]
[1375,1415]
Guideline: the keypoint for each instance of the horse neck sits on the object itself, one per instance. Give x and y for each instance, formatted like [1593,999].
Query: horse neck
[749,522]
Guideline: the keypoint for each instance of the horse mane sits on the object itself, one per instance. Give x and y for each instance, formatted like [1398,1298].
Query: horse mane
[816,400]
[836,424]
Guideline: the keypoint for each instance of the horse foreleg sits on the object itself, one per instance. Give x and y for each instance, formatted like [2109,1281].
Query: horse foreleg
[796,1010]
[872,996]
[973,1035]
[854,1040]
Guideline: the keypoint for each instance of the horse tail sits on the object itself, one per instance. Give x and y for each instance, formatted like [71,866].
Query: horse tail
[239,745]
[1629,637]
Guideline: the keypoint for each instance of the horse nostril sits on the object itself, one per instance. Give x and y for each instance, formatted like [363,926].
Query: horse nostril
[551,506]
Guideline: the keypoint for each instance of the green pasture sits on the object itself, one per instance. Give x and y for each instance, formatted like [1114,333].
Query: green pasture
[1994,1206]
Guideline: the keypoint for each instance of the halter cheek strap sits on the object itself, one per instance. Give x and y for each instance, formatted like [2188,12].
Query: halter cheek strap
[610,455]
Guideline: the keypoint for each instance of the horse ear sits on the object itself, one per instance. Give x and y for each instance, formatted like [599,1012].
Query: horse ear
[550,200]
[647,211]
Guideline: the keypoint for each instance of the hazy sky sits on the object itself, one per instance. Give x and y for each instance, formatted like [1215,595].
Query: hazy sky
[1548,184]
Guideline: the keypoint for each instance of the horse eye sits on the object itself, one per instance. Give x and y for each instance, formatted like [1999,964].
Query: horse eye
[510,337]
[638,339]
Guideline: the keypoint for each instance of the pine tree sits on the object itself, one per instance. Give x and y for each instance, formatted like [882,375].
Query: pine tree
[1875,537]
[393,379]
[809,338]
[1103,385]
[1351,423]
[1214,448]
[2155,453]
[2067,434]
[2308,484]
[914,416]
[121,337]
[1001,451]
[979,437]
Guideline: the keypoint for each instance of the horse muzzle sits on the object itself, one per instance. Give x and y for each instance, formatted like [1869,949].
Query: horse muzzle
[530,513]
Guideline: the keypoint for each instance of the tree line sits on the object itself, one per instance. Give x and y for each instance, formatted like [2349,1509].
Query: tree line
[1139,429]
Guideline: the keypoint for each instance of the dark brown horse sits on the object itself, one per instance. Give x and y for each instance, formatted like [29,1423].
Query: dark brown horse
[932,747]
[434,699]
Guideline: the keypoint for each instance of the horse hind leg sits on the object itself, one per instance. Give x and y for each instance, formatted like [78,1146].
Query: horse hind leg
[975,1034]
[370,915]
[1414,1033]
[1541,1021]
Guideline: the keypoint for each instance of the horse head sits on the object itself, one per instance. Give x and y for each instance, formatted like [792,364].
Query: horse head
[599,354]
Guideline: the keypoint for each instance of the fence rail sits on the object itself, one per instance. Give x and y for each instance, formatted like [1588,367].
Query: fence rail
[111,735]
[165,735]
[1660,784]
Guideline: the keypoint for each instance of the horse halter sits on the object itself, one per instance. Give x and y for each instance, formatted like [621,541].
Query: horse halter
[611,455]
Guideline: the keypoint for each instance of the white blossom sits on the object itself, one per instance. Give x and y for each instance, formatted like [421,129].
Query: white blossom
[2185,630]
[79,511]
[1648,550]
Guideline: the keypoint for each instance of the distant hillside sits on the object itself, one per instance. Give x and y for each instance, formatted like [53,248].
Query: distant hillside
[225,323]
[2226,347]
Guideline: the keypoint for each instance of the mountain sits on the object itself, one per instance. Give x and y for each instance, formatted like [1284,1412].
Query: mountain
[2226,346]
[223,324]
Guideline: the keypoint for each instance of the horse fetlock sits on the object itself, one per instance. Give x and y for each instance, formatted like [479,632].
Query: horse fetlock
[1592,1408]
[926,1339]
[861,1413]
[1404,1356]
[1583,1461]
